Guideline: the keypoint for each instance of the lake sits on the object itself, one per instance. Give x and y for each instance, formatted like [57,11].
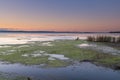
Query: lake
[22,38]
[76,71]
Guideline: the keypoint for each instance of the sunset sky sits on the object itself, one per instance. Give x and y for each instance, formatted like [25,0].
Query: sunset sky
[60,15]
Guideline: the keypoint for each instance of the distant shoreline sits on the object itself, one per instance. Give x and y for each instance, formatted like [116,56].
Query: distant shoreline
[9,31]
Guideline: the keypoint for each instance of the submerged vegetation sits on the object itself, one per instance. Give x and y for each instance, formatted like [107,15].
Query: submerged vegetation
[37,54]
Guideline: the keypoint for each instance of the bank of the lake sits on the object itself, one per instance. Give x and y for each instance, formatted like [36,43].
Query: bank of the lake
[56,53]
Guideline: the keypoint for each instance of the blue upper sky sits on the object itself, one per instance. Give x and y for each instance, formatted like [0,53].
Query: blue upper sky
[61,14]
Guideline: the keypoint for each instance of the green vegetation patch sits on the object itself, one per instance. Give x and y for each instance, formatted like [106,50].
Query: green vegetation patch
[68,48]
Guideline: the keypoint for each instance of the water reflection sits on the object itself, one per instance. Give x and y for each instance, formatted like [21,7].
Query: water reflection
[22,38]
[81,71]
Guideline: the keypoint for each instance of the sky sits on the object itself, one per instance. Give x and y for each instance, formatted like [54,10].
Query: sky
[60,15]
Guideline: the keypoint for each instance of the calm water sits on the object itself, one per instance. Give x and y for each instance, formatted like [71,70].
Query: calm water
[54,34]
[78,71]
[81,71]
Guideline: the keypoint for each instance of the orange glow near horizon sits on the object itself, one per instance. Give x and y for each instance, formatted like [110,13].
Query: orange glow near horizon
[51,16]
[69,25]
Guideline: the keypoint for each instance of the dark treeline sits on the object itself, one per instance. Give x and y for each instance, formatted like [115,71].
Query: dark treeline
[114,32]
[20,31]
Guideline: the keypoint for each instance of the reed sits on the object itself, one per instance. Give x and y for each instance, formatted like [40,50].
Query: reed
[118,40]
[29,78]
[103,39]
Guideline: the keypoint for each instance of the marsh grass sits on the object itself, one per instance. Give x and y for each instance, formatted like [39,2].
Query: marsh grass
[68,48]
[103,39]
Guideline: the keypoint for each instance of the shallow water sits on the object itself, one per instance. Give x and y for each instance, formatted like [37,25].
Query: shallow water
[100,48]
[43,53]
[23,38]
[80,71]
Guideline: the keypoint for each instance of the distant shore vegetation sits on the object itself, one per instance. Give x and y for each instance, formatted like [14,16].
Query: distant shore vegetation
[110,39]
